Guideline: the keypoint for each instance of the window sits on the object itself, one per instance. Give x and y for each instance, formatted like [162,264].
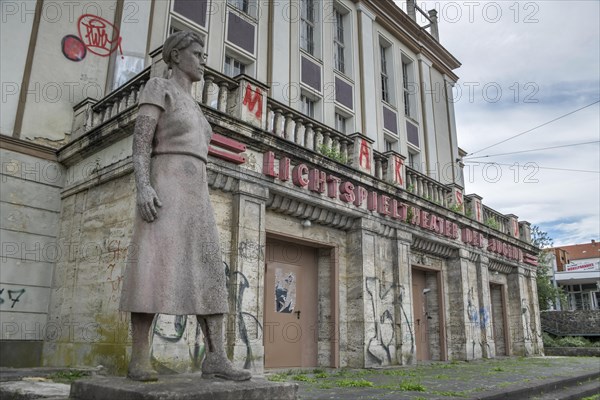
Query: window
[248,7]
[241,5]
[308,106]
[307,26]
[405,88]
[338,42]
[385,84]
[414,159]
[340,122]
[195,11]
[408,88]
[390,145]
[233,67]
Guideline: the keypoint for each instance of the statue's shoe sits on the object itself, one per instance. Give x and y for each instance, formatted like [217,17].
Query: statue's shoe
[219,368]
[142,375]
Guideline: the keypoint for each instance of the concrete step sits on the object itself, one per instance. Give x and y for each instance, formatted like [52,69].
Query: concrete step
[562,388]
[575,392]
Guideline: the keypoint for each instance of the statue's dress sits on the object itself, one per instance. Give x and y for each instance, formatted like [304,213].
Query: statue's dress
[174,264]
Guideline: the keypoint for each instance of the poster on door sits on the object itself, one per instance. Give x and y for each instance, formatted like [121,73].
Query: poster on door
[285,291]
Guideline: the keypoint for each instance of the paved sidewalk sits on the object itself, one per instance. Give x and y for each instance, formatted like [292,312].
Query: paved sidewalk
[504,378]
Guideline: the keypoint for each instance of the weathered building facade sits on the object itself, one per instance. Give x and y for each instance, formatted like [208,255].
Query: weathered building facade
[334,174]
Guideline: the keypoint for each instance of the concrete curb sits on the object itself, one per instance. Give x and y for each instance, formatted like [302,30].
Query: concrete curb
[537,389]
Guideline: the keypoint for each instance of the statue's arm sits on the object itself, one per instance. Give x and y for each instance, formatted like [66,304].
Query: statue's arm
[146,199]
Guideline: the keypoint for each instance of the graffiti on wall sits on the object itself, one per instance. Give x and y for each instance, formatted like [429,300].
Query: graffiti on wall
[117,254]
[94,34]
[169,329]
[13,295]
[381,344]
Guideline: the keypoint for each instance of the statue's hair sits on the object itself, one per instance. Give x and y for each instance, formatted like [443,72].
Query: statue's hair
[178,41]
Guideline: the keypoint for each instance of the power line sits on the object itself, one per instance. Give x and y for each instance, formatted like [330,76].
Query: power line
[529,151]
[532,129]
[526,166]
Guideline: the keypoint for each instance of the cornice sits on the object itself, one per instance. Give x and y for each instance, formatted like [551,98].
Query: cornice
[27,147]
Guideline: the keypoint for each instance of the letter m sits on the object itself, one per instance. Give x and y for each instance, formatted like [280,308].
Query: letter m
[252,99]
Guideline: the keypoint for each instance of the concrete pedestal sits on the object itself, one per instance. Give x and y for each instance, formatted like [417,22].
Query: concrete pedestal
[180,387]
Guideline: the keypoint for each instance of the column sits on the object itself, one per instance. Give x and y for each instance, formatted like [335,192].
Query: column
[488,346]
[247,275]
[428,117]
[463,331]
[406,349]
[519,313]
[368,74]
[360,265]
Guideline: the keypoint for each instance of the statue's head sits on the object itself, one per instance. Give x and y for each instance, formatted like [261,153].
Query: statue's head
[185,50]
[179,41]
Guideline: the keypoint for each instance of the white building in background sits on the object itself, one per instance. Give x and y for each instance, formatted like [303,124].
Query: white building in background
[577,272]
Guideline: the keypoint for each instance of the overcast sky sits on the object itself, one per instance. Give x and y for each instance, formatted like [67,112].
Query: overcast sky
[537,61]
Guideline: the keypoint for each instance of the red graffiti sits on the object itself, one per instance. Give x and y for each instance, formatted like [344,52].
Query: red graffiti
[99,35]
[398,170]
[257,100]
[459,198]
[364,155]
[73,48]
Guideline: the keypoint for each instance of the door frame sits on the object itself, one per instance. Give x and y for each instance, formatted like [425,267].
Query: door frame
[333,287]
[504,302]
[439,272]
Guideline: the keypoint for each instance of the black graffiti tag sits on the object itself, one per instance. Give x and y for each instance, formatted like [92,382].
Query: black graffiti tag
[13,295]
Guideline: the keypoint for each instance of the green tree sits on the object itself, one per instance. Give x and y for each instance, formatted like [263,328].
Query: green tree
[548,295]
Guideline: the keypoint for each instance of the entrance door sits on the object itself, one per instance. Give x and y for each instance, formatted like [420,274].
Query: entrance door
[420,320]
[290,317]
[497,298]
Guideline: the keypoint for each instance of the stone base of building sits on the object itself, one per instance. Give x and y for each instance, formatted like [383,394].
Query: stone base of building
[183,387]
[21,353]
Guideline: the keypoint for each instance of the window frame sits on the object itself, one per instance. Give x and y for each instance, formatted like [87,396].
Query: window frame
[339,54]
[308,26]
[235,60]
[308,105]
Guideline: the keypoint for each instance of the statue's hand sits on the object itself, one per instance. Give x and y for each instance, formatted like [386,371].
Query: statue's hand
[147,201]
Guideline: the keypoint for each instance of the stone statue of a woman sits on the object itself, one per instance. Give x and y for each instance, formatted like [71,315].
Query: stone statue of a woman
[177,267]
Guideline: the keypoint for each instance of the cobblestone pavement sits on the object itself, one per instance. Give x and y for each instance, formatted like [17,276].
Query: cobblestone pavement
[439,380]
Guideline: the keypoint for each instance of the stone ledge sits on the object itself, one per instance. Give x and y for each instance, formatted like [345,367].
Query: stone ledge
[180,387]
[572,351]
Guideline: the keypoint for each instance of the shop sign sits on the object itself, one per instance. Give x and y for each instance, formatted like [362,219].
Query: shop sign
[583,266]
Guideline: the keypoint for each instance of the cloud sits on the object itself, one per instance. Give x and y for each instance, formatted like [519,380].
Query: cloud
[544,56]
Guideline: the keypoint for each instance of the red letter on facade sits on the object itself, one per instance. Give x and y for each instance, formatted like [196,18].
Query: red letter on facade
[251,101]
[298,175]
[364,154]
[269,164]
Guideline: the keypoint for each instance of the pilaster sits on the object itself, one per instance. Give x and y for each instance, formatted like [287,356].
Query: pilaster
[520,313]
[463,333]
[246,275]
[488,346]
[360,265]
[406,350]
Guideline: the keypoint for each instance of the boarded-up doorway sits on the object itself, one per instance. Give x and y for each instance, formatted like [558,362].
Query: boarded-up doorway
[499,319]
[290,298]
[420,314]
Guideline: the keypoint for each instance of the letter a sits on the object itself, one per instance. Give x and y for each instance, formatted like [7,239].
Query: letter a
[364,152]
